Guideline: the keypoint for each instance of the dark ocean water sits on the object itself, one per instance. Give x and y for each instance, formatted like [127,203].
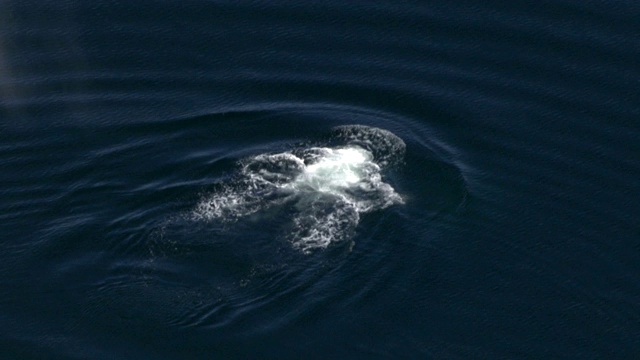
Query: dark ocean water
[180,180]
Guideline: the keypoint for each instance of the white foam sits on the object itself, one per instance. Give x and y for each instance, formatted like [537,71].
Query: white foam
[335,170]
[329,187]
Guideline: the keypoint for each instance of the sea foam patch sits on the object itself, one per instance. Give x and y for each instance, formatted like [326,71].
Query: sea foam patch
[329,187]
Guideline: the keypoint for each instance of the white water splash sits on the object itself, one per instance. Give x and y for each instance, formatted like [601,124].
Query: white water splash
[328,187]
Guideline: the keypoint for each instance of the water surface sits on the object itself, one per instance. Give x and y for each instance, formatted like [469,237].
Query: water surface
[319,179]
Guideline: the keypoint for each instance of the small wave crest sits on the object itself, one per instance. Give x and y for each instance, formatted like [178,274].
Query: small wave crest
[328,187]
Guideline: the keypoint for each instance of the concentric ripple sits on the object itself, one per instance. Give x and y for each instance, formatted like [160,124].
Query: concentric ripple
[327,188]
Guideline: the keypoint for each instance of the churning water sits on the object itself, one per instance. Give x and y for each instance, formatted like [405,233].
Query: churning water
[328,188]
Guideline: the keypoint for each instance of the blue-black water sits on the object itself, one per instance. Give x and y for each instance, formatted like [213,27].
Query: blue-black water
[306,179]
